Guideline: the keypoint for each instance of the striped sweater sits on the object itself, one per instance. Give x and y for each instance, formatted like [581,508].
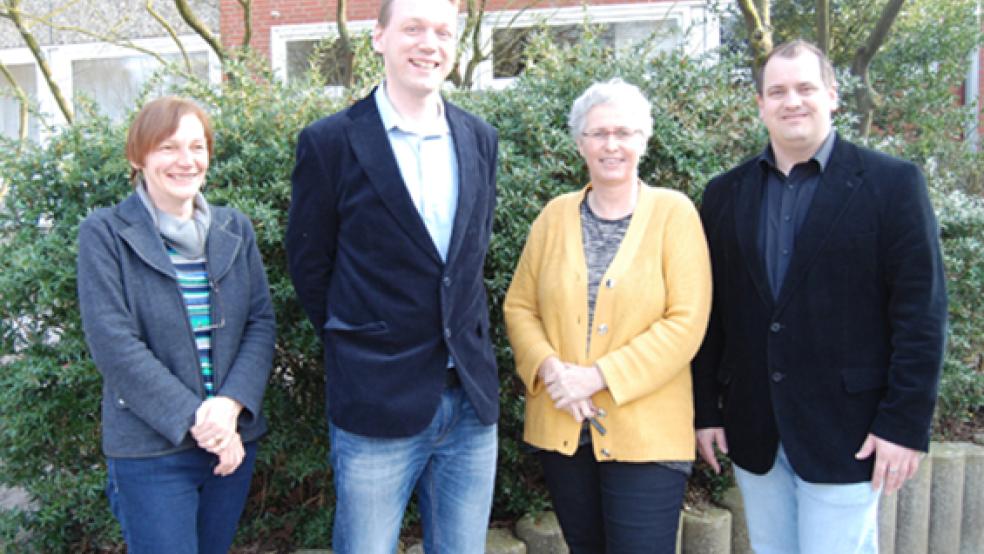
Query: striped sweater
[194,284]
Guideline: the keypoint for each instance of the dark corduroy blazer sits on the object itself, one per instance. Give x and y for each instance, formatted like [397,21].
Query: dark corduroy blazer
[370,279]
[853,343]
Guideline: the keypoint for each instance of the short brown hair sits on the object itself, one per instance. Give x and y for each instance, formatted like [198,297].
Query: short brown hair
[155,122]
[386,7]
[792,49]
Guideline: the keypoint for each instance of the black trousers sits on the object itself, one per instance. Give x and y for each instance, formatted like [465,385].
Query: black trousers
[614,507]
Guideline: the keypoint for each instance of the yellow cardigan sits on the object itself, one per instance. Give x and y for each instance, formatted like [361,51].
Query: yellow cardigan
[650,316]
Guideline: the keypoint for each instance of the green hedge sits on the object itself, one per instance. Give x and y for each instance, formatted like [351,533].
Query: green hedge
[705,121]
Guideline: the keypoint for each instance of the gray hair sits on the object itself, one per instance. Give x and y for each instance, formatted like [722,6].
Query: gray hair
[614,92]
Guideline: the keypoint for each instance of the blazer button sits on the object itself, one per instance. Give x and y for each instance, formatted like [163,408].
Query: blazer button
[775,327]
[446,281]
[602,329]
[778,376]
[605,452]
[447,332]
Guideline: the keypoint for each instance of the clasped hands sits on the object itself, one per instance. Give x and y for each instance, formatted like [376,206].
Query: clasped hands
[215,431]
[571,386]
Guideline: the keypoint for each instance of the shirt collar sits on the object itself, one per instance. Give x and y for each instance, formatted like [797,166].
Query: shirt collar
[821,156]
[393,120]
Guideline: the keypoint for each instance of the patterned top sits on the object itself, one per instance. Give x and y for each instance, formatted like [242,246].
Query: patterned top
[601,239]
[195,289]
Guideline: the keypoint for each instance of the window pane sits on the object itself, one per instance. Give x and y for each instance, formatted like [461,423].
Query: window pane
[509,44]
[301,52]
[24,76]
[115,83]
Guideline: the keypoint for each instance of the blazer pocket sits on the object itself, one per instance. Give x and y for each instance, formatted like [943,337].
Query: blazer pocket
[861,379]
[369,328]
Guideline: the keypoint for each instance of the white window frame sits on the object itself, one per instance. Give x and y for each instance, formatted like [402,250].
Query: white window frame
[696,18]
[280,35]
[61,56]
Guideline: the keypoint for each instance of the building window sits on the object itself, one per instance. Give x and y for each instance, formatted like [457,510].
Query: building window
[509,43]
[688,24]
[301,55]
[115,83]
[24,76]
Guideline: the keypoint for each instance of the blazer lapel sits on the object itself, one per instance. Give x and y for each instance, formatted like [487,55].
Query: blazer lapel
[371,146]
[222,247]
[837,185]
[748,213]
[469,179]
[139,232]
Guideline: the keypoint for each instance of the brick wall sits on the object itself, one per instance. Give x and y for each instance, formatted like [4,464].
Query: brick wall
[269,13]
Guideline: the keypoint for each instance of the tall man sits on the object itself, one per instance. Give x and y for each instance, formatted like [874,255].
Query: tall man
[390,221]
[819,371]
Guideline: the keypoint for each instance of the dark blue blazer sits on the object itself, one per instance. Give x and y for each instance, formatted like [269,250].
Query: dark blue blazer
[854,342]
[372,282]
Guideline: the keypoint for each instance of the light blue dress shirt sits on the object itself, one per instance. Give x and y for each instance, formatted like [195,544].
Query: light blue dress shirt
[428,165]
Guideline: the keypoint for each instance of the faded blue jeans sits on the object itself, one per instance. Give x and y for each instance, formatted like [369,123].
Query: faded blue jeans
[173,504]
[787,515]
[451,466]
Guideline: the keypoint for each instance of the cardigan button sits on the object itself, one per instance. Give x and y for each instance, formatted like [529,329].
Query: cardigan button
[610,283]
[605,452]
[602,329]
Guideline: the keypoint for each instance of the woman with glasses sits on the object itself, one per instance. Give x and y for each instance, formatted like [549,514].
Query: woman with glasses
[179,322]
[606,308]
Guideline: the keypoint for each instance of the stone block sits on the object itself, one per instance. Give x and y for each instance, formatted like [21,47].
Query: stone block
[912,518]
[946,498]
[739,525]
[707,531]
[542,534]
[888,506]
[972,526]
[502,541]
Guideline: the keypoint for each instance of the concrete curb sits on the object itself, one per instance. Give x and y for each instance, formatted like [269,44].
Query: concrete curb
[972,522]
[946,498]
[912,522]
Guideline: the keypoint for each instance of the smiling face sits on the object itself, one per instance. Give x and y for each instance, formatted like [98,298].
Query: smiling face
[174,169]
[795,104]
[418,44]
[611,161]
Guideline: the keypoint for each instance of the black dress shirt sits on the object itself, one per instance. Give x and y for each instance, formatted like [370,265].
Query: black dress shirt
[786,200]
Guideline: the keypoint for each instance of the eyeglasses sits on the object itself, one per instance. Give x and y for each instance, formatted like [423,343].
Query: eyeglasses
[620,134]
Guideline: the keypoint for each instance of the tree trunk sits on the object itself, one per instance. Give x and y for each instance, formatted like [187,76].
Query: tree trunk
[759,26]
[867,99]
[823,26]
[189,17]
[343,48]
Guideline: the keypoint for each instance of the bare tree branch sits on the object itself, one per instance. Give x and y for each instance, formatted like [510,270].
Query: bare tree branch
[15,15]
[867,99]
[759,26]
[170,31]
[343,47]
[48,22]
[247,6]
[189,17]
[823,26]
[24,102]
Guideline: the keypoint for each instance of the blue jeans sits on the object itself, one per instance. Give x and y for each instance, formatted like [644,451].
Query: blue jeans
[787,515]
[614,507]
[173,504]
[450,464]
